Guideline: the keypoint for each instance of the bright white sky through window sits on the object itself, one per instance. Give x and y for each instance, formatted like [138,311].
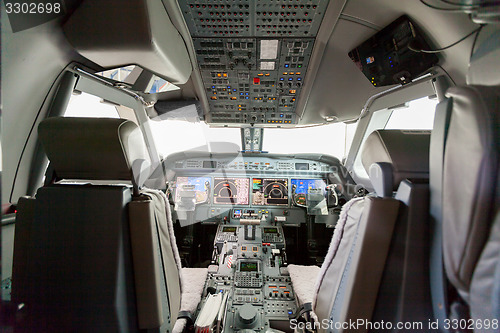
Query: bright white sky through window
[86,105]
[174,136]
[333,139]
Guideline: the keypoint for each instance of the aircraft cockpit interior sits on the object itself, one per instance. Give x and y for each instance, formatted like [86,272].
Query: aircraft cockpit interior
[273,166]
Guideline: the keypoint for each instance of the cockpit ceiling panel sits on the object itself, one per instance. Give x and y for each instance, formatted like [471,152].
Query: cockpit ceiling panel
[253,56]
[256,18]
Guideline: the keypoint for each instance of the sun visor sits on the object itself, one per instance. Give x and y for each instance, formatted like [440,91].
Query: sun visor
[189,110]
[112,34]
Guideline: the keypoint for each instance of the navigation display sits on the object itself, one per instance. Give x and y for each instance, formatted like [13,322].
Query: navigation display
[270,191]
[231,191]
[201,186]
[304,185]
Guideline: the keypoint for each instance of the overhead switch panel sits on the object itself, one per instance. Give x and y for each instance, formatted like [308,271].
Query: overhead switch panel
[253,56]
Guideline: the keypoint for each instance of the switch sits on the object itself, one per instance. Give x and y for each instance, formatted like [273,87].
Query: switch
[256,80]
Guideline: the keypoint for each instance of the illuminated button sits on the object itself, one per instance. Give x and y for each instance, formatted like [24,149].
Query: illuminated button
[256,80]
[225,74]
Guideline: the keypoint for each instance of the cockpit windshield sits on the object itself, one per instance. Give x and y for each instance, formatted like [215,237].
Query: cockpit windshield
[174,136]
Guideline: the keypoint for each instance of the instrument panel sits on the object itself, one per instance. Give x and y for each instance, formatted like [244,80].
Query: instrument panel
[236,191]
[223,187]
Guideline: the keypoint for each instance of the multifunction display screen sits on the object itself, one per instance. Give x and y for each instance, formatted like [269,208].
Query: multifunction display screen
[304,185]
[231,191]
[270,191]
[248,266]
[201,186]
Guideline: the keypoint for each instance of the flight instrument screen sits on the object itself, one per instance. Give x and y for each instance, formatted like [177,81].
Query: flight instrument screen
[200,185]
[304,185]
[231,191]
[270,191]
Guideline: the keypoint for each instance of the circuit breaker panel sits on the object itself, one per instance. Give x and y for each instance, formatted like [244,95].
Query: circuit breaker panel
[253,56]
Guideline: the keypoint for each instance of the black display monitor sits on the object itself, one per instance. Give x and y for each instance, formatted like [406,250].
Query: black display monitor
[385,58]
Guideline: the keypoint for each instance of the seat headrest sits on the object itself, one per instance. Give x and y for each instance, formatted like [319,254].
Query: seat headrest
[398,155]
[95,148]
[483,65]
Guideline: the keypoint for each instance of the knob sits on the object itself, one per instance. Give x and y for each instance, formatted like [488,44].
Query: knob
[247,314]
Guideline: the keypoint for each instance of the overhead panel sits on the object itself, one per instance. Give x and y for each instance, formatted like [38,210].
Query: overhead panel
[253,56]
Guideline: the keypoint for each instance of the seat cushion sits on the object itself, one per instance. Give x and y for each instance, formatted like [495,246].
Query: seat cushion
[193,284]
[302,277]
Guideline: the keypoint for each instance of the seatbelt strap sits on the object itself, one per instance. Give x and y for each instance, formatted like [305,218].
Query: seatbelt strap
[437,149]
[188,316]
[305,308]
